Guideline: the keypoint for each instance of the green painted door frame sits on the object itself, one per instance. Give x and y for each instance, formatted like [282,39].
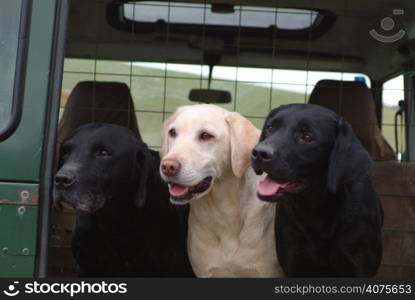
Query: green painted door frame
[27,154]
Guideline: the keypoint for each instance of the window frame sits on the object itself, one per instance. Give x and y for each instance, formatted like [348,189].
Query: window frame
[20,72]
[115,17]
[409,83]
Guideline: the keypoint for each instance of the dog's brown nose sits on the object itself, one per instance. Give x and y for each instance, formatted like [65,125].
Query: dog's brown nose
[170,167]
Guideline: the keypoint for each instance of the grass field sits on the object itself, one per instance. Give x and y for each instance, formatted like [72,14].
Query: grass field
[152,89]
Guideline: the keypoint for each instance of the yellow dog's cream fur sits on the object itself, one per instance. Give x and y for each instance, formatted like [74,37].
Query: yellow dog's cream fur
[231,232]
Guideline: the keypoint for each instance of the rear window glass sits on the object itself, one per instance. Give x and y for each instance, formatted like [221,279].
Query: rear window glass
[193,13]
[9,39]
[393,94]
[159,88]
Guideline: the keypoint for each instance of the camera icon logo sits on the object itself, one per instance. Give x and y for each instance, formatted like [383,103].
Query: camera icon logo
[387,24]
[11,290]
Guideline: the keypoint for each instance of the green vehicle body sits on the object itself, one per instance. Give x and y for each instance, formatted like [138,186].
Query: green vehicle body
[23,167]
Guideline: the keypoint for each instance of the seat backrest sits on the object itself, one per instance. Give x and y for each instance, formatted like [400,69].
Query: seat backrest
[98,102]
[353,101]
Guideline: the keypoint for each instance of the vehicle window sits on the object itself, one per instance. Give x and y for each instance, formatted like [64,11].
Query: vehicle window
[194,13]
[392,95]
[9,38]
[159,88]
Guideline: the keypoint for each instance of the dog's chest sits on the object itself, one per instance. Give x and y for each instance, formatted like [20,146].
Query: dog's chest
[304,244]
[229,246]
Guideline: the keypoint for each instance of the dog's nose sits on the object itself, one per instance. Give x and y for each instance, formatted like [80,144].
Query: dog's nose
[262,153]
[170,167]
[64,180]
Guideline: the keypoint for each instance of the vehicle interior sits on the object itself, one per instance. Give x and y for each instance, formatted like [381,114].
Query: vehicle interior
[134,62]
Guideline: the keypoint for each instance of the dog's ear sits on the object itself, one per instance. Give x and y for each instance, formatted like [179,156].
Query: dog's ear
[349,161]
[243,137]
[145,168]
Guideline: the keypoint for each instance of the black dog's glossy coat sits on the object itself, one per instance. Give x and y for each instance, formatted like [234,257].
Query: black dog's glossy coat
[125,225]
[333,227]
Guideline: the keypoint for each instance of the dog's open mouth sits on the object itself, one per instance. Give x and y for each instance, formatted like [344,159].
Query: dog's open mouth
[270,189]
[181,193]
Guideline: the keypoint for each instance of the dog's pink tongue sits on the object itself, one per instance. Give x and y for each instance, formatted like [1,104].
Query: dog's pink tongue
[177,190]
[268,187]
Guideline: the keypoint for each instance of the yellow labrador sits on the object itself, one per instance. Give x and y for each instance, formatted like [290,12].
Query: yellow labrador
[206,161]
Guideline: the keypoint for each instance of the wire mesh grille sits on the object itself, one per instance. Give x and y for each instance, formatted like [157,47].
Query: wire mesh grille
[159,87]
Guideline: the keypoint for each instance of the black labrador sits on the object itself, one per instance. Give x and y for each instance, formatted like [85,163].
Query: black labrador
[329,219]
[125,225]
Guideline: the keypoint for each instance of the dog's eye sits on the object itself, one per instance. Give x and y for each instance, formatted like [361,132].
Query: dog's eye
[269,128]
[103,152]
[306,138]
[204,136]
[172,132]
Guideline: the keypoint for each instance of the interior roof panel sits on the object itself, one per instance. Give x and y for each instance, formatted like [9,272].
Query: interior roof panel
[348,40]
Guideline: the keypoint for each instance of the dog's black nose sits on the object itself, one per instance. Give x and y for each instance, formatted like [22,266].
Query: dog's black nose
[64,180]
[262,153]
